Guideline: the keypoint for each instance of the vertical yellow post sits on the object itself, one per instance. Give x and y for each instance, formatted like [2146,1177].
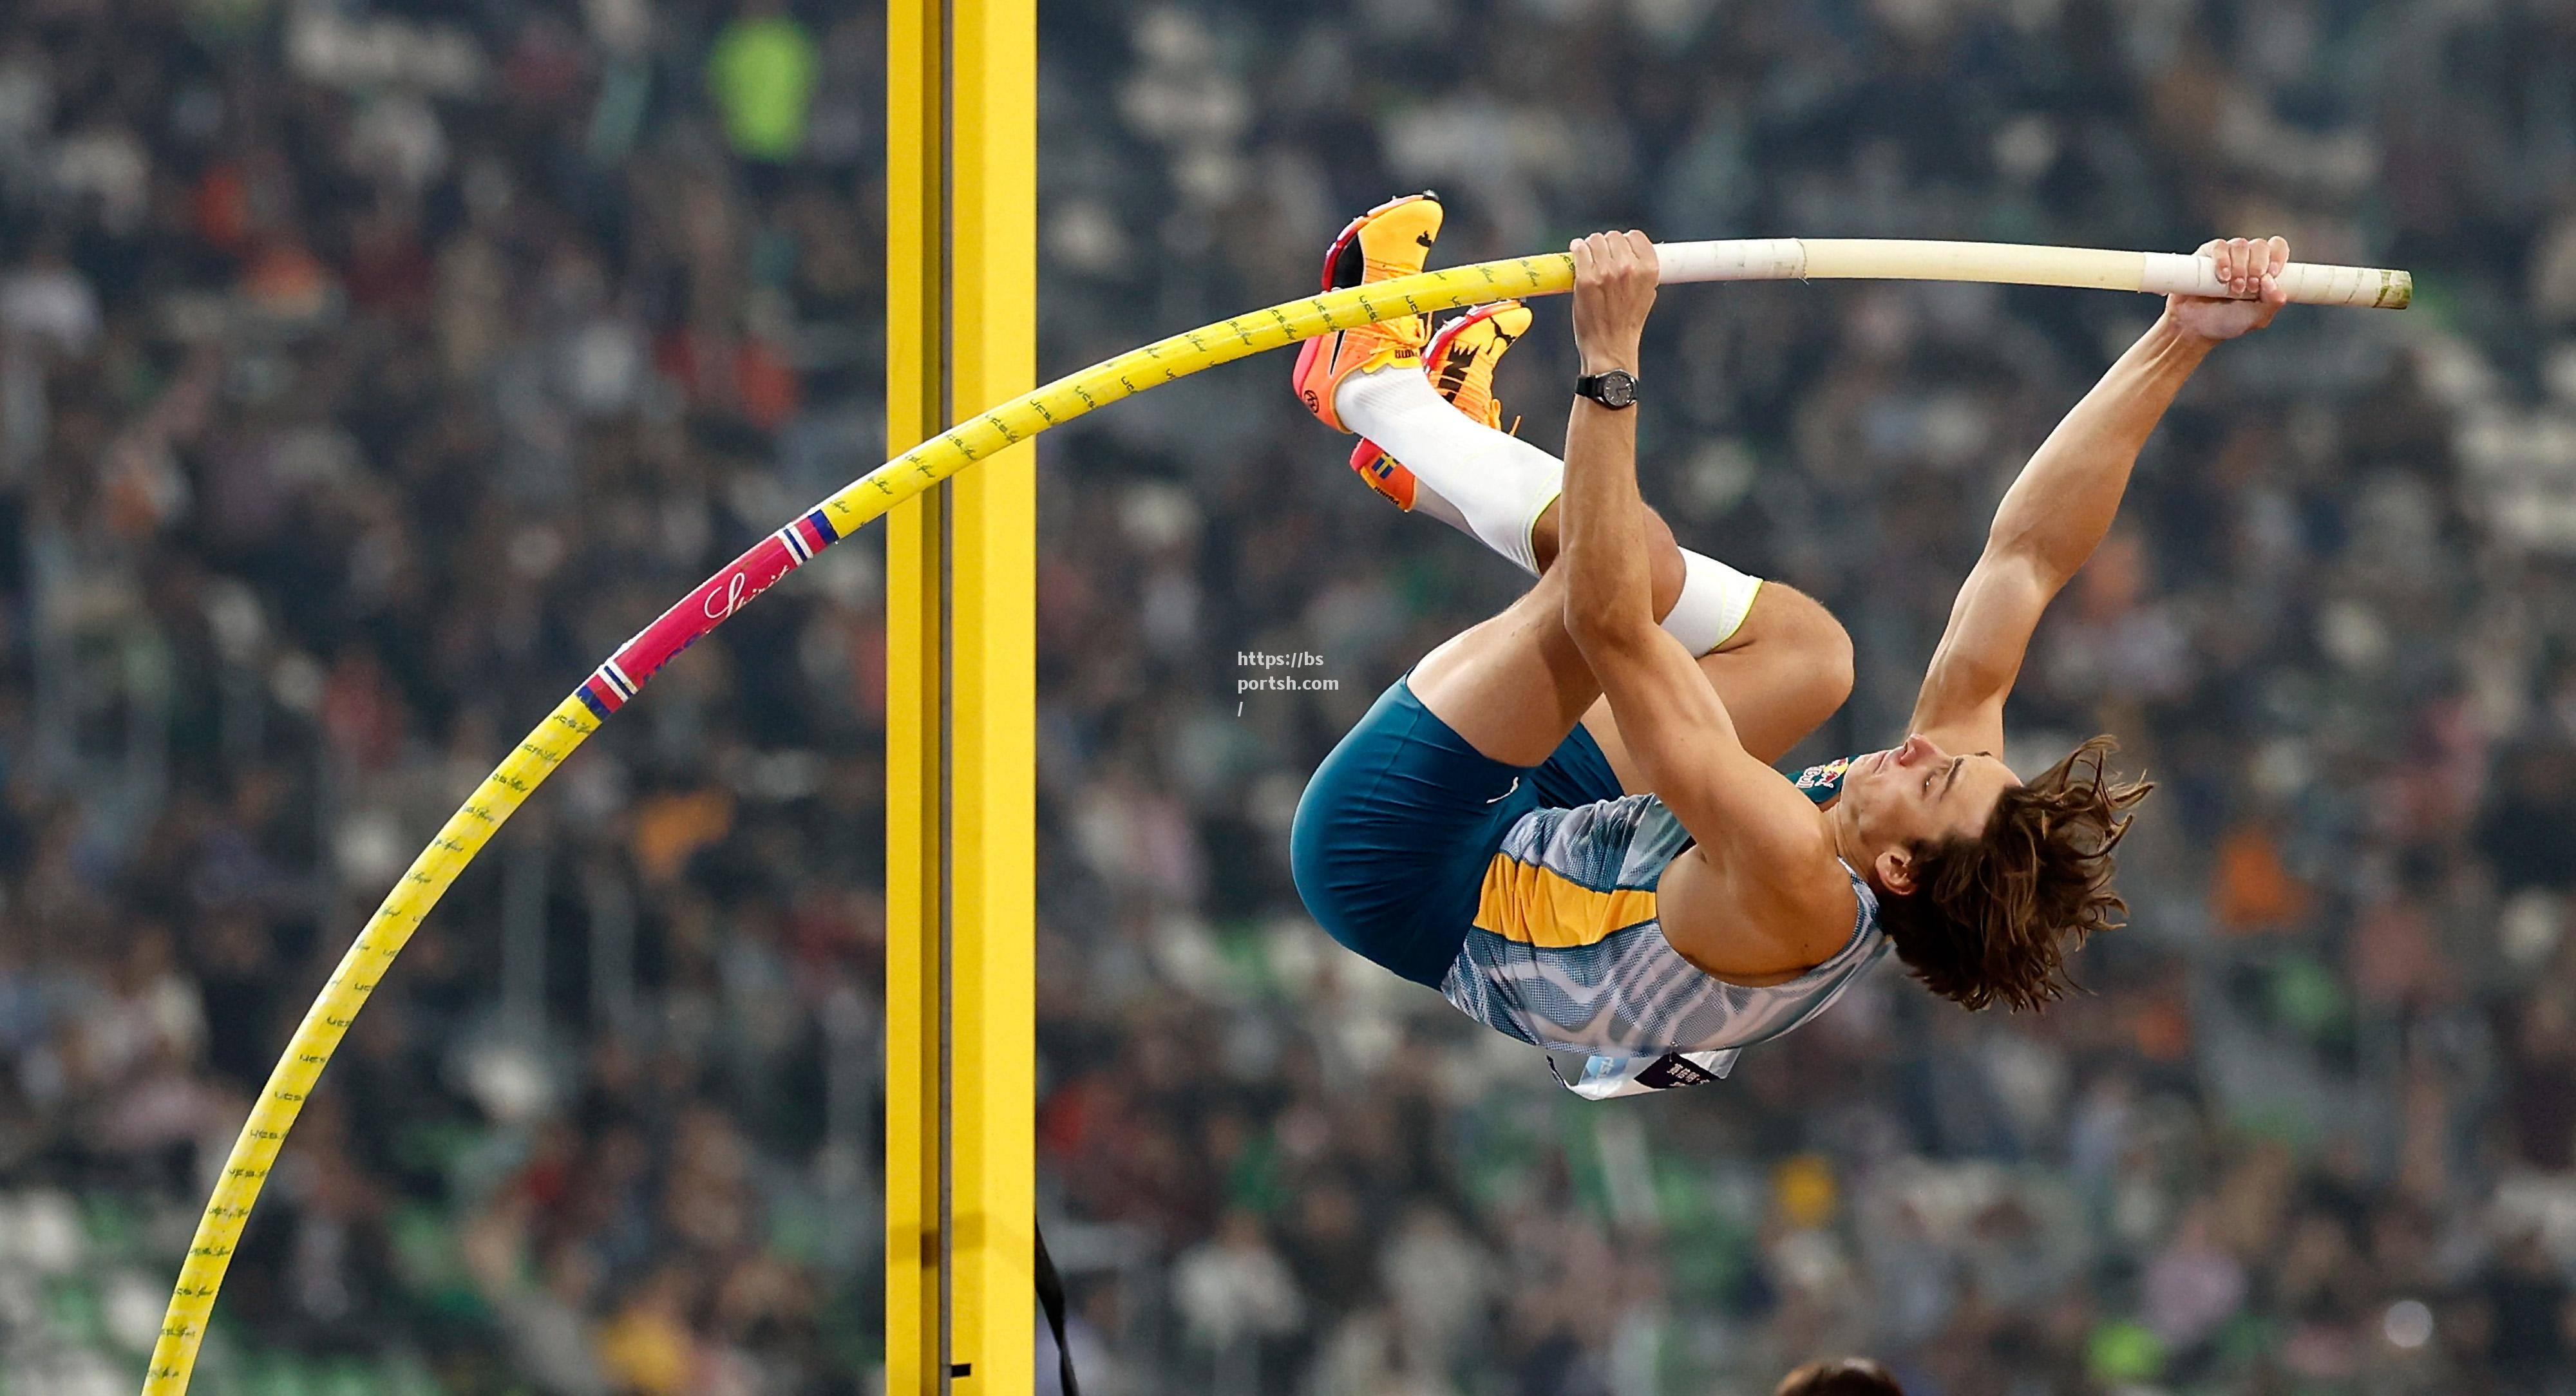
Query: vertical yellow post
[916,259]
[961,290]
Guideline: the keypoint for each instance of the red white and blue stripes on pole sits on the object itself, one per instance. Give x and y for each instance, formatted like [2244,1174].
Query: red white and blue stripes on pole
[617,681]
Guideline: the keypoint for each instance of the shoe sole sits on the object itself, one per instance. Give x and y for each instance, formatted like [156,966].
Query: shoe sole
[1345,248]
[1345,265]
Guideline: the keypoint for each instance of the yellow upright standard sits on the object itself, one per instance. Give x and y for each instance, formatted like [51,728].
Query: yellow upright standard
[961,587]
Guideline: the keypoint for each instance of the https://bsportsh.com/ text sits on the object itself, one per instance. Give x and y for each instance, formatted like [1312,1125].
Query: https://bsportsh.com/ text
[1278,671]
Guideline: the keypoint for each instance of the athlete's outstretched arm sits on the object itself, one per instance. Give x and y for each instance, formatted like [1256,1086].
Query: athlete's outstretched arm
[1752,825]
[2061,508]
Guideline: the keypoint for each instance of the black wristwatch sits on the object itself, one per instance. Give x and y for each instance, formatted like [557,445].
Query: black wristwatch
[1615,389]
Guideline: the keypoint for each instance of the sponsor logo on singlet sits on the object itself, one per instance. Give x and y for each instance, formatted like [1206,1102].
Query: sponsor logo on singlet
[1674,1070]
[1822,783]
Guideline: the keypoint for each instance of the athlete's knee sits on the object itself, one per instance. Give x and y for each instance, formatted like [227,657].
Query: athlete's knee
[1661,545]
[1834,669]
[1543,537]
[1669,571]
[1801,626]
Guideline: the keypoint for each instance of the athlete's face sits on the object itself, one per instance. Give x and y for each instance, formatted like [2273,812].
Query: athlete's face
[1919,794]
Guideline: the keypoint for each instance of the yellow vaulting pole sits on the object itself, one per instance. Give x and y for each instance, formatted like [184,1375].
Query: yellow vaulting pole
[961,709]
[992,434]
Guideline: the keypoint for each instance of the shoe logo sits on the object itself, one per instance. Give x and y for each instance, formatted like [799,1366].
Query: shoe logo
[1453,372]
[1424,239]
[1312,402]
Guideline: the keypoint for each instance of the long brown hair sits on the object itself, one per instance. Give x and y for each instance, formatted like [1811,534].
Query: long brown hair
[1993,918]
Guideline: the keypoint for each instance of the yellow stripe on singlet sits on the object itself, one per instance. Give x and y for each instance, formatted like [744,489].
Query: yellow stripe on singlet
[1537,905]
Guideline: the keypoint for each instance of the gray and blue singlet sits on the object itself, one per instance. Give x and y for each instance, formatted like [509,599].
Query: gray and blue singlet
[1527,896]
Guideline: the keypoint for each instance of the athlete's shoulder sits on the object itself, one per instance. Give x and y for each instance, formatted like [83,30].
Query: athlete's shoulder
[1760,921]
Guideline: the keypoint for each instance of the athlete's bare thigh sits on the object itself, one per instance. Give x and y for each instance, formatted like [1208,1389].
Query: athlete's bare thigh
[1516,685]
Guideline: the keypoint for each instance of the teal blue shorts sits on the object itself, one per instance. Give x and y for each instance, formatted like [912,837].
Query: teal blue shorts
[1394,832]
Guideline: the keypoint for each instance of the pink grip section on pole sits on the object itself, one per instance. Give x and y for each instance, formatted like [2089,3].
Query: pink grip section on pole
[617,681]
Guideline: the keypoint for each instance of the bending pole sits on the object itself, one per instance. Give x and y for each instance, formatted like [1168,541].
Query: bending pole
[737,584]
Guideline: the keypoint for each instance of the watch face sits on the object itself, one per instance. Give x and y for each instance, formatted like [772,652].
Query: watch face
[1617,388]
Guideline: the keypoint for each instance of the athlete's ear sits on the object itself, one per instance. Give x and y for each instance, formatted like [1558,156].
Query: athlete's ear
[1895,869]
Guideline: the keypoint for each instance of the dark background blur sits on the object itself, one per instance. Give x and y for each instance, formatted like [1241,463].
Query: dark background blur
[369,371]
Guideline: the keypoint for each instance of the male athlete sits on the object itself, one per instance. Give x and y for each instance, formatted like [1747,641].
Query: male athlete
[1564,818]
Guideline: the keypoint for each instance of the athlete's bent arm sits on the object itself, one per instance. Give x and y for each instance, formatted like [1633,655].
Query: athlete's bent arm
[1764,841]
[2061,507]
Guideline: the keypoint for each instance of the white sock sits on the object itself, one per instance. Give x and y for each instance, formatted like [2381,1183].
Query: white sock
[1493,487]
[1498,483]
[1715,600]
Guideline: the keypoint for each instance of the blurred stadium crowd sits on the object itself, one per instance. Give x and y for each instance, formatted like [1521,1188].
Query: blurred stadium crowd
[368,371]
